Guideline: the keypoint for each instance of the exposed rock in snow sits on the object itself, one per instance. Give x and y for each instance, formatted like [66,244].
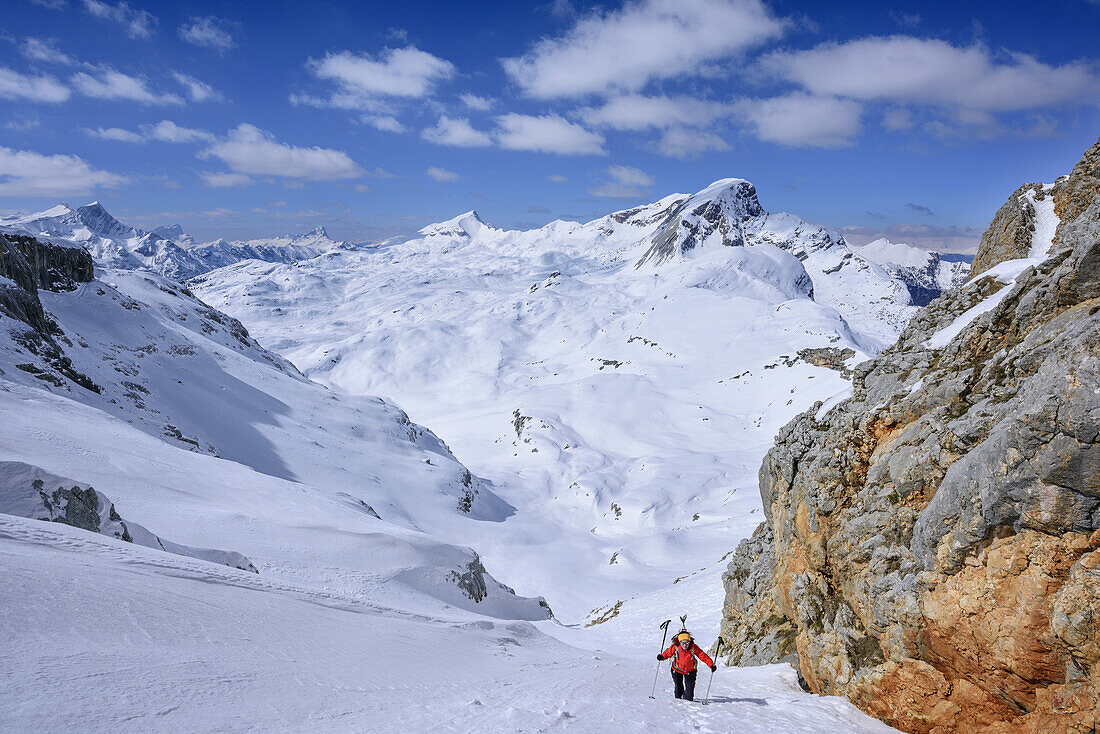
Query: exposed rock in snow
[166,250]
[926,274]
[29,491]
[932,543]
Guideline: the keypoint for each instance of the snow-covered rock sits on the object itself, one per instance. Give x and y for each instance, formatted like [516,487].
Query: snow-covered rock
[926,274]
[167,250]
[29,491]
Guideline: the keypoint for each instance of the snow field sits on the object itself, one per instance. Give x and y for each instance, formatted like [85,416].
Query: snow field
[160,643]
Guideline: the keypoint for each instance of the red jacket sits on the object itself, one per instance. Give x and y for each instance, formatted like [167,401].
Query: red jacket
[683,661]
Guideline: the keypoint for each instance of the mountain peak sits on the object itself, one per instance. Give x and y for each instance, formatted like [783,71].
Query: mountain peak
[100,221]
[715,213]
[466,224]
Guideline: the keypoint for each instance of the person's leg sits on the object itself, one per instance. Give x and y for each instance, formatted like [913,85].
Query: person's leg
[689,685]
[678,684]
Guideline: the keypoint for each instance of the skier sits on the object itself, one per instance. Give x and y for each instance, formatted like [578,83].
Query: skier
[683,652]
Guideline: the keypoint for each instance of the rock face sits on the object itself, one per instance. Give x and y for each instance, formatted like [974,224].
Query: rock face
[28,491]
[27,265]
[1009,234]
[926,274]
[931,547]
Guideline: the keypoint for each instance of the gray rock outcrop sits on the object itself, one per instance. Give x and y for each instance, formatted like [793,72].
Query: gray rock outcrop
[932,545]
[28,491]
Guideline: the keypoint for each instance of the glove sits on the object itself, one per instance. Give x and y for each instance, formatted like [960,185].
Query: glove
[659,658]
[714,668]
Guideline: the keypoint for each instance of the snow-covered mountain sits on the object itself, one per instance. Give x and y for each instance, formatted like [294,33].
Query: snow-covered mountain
[136,388]
[926,274]
[617,381]
[167,250]
[612,415]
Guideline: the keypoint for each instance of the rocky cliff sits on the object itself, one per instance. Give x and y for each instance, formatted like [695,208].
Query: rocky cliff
[931,548]
[27,265]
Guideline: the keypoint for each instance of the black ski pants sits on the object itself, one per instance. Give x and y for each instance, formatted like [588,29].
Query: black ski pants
[685,684]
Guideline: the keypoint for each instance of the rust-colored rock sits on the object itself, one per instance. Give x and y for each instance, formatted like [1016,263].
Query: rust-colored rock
[931,547]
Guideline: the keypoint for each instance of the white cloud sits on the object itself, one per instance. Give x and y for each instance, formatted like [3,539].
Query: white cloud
[197,91]
[456,132]
[113,84]
[14,85]
[219,180]
[556,179]
[654,39]
[45,50]
[442,174]
[898,118]
[385,123]
[638,112]
[26,173]
[137,23]
[208,31]
[803,120]
[169,132]
[904,69]
[547,134]
[474,102]
[51,4]
[679,142]
[165,131]
[402,72]
[624,182]
[250,150]
[115,133]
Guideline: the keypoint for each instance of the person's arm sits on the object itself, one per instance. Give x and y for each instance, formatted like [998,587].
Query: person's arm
[703,656]
[666,654]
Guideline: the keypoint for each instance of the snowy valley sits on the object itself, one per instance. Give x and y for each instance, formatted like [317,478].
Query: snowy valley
[512,453]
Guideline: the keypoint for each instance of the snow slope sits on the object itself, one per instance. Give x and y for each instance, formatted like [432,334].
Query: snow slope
[200,433]
[621,402]
[169,644]
[924,273]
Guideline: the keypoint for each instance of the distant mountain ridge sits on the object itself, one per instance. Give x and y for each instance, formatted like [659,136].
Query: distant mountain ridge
[926,274]
[167,250]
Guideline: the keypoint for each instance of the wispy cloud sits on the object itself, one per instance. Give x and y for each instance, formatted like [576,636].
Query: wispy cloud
[474,102]
[250,150]
[197,91]
[547,134]
[457,133]
[116,134]
[626,49]
[26,173]
[803,120]
[919,208]
[45,50]
[136,23]
[220,180]
[442,174]
[45,88]
[111,84]
[361,78]
[209,31]
[624,182]
[904,69]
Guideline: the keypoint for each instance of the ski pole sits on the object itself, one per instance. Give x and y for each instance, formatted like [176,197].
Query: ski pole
[716,651]
[664,626]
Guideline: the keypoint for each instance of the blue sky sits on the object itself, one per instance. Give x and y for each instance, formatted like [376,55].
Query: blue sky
[373,119]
